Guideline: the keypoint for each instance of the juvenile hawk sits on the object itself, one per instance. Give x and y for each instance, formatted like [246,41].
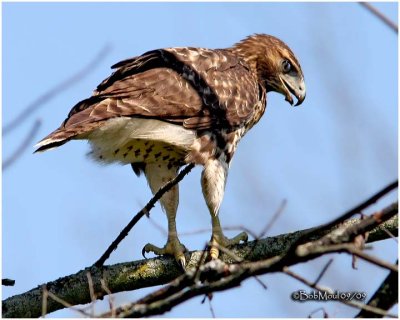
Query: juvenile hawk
[170,107]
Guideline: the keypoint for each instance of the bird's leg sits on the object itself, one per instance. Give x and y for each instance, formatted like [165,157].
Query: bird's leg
[173,246]
[158,175]
[213,180]
[218,238]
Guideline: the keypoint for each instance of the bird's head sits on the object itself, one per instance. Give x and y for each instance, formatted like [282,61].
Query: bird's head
[275,64]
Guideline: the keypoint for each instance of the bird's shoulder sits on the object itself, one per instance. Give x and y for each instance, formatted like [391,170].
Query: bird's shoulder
[183,60]
[192,86]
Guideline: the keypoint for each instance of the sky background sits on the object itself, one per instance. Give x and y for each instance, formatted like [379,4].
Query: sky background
[61,210]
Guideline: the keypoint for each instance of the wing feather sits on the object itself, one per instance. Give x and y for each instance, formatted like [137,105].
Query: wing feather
[200,89]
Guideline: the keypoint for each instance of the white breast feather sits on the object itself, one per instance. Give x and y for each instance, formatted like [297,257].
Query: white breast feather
[119,132]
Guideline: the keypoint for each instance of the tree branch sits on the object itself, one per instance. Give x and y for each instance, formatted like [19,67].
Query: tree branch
[213,276]
[23,146]
[151,272]
[381,16]
[384,298]
[145,211]
[347,234]
[348,214]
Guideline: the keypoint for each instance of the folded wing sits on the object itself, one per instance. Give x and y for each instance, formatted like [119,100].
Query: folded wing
[199,89]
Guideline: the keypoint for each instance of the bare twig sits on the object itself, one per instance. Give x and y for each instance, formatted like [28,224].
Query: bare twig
[380,232]
[374,260]
[23,146]
[261,283]
[349,248]
[381,16]
[110,297]
[275,215]
[347,234]
[209,298]
[64,303]
[353,211]
[141,213]
[44,301]
[175,286]
[324,269]
[158,226]
[92,294]
[201,262]
[273,219]
[39,102]
[391,235]
[241,228]
[325,314]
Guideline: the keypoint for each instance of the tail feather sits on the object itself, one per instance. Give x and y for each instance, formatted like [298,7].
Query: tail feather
[49,145]
[53,140]
[64,134]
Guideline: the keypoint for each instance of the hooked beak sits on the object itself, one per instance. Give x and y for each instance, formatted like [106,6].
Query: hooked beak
[293,86]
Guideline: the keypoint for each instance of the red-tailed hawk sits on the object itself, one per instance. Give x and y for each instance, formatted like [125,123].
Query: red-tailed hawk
[170,107]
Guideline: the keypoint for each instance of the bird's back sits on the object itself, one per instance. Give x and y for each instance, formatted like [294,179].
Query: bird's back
[165,99]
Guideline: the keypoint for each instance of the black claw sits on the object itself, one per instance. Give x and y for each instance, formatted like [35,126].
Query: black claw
[144,252]
[182,263]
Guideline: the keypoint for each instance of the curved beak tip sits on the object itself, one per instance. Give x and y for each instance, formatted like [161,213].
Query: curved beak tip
[300,100]
[293,87]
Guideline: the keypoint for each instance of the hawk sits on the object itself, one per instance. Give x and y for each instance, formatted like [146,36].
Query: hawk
[175,106]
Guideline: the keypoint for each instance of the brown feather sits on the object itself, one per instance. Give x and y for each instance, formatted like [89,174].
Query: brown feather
[200,89]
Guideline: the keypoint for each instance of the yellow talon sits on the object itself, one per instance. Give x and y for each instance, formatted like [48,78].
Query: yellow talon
[182,261]
[173,248]
[214,252]
[218,239]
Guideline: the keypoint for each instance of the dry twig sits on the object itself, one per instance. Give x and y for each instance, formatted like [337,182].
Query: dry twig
[23,146]
[141,213]
[39,102]
[381,16]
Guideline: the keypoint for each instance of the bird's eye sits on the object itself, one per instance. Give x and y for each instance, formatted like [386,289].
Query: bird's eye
[287,66]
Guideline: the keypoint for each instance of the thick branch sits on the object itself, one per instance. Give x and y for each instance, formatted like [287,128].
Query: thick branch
[384,298]
[211,277]
[146,273]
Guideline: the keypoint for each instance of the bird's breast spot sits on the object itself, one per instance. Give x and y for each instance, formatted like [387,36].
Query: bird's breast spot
[137,150]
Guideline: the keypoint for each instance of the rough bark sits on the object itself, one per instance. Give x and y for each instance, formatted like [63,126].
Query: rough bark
[74,288]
